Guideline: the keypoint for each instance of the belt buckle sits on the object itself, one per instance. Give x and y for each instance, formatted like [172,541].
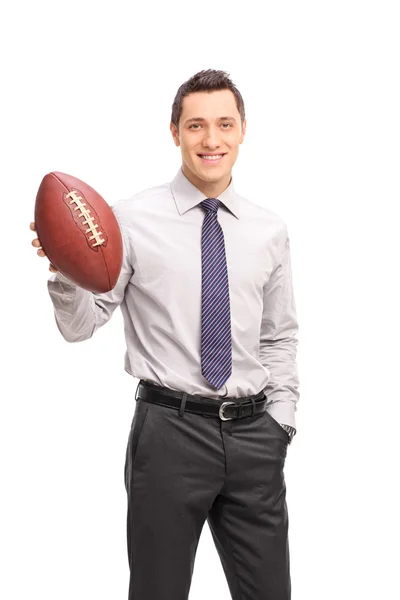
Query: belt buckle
[221,411]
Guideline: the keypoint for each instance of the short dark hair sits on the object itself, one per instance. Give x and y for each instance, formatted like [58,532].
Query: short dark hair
[205,81]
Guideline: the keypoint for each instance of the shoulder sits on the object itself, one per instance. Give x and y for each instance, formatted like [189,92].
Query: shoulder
[251,207]
[125,208]
[269,220]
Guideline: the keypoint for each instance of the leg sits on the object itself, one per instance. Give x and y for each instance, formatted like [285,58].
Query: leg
[174,468]
[249,518]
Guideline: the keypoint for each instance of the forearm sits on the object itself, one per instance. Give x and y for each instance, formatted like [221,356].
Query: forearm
[279,357]
[74,308]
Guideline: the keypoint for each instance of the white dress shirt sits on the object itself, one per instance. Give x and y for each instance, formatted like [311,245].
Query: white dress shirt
[159,293]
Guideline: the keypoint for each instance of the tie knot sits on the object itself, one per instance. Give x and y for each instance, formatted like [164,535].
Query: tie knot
[211,204]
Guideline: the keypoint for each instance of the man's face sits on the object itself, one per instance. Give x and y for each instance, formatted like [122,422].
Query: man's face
[216,129]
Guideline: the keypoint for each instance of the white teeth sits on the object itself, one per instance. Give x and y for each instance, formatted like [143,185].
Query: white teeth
[212,157]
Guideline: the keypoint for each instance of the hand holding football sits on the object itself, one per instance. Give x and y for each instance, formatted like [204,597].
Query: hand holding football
[78,232]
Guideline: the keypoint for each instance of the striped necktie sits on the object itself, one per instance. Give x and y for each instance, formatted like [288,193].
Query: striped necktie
[216,342]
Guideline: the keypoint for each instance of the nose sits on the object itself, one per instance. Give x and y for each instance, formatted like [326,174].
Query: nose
[211,139]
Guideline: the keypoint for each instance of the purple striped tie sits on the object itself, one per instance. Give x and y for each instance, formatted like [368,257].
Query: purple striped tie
[216,343]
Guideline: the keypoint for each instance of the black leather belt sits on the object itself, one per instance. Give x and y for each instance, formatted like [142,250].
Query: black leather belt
[233,408]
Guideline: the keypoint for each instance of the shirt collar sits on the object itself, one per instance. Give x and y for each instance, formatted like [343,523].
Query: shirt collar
[187,195]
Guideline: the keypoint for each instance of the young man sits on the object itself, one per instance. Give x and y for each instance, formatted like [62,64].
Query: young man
[210,323]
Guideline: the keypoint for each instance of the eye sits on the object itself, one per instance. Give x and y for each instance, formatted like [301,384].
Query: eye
[197,125]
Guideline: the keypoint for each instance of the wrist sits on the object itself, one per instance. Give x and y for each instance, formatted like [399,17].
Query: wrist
[291,431]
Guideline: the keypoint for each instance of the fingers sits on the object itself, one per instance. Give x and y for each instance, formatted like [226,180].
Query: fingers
[36,244]
[36,241]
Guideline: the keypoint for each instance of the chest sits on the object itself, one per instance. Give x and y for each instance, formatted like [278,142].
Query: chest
[172,254]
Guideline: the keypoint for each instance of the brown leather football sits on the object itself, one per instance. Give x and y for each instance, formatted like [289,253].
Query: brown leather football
[78,232]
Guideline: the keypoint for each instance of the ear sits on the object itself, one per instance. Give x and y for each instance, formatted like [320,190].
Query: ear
[175,134]
[243,131]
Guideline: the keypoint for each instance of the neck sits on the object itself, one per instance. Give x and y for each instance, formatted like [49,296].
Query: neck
[210,189]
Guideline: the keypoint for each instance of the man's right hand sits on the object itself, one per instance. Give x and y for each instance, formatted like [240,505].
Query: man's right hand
[40,252]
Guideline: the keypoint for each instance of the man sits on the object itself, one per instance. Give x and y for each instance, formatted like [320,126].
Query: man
[210,324]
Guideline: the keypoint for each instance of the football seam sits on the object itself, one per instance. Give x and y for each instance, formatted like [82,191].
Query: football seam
[100,247]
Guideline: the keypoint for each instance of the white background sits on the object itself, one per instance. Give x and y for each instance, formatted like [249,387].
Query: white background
[87,88]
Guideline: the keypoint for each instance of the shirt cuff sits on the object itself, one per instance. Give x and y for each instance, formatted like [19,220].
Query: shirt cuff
[283,412]
[60,277]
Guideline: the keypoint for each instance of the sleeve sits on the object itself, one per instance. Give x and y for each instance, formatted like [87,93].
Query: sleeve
[278,340]
[78,312]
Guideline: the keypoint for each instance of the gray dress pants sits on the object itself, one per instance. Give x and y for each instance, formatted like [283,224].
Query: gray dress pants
[182,470]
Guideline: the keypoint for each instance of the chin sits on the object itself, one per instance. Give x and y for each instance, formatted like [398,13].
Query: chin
[209,171]
[210,176]
[206,174]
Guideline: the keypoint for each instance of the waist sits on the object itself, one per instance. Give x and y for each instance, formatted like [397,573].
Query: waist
[224,408]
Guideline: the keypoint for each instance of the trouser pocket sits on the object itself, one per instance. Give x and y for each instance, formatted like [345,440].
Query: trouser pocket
[138,421]
[278,428]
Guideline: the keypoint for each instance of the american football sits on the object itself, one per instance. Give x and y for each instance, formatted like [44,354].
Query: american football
[78,232]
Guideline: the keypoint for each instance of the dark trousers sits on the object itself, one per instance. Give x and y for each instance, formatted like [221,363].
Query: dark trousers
[182,470]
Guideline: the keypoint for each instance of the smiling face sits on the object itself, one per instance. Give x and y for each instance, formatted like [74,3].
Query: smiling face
[210,124]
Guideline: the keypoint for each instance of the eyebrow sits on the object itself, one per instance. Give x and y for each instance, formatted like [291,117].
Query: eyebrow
[201,119]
